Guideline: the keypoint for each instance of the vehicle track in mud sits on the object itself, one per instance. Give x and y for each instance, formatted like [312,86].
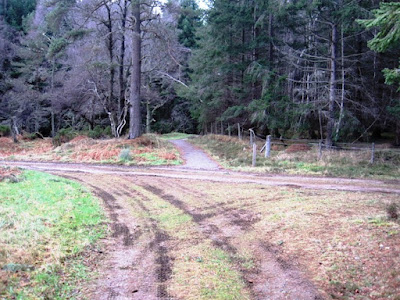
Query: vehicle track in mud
[138,259]
[138,264]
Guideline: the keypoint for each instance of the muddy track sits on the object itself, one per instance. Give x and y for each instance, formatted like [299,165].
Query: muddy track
[138,260]
[314,183]
[286,282]
[138,263]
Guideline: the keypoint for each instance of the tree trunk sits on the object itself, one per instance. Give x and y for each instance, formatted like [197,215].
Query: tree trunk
[148,117]
[271,36]
[341,111]
[110,46]
[332,89]
[134,99]
[53,127]
[121,62]
[14,129]
[113,123]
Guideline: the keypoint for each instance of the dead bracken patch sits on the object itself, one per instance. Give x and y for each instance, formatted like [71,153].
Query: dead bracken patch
[9,173]
[78,139]
[85,149]
[168,156]
[298,148]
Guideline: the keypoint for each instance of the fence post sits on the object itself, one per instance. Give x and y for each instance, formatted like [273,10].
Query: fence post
[222,128]
[252,136]
[268,146]
[229,130]
[239,133]
[253,162]
[320,150]
[372,153]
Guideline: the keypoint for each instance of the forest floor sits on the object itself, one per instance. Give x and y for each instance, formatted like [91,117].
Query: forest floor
[146,150]
[196,232]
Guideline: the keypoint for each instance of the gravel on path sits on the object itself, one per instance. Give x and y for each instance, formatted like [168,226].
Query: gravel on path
[194,158]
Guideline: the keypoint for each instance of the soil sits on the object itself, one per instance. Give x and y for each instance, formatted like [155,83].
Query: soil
[138,257]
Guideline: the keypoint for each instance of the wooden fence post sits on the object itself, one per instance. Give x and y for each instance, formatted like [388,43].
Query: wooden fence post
[222,128]
[320,150]
[372,153]
[253,162]
[229,130]
[252,136]
[239,132]
[268,146]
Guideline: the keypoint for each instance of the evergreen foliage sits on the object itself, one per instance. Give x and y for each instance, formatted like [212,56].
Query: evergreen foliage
[16,12]
[292,68]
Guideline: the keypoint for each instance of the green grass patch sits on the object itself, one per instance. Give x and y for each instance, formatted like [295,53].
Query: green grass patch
[175,136]
[46,223]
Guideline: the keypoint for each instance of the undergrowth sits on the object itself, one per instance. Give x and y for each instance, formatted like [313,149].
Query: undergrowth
[235,154]
[149,149]
[46,224]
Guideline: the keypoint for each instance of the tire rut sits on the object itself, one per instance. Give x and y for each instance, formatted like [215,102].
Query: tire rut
[159,243]
[288,281]
[129,269]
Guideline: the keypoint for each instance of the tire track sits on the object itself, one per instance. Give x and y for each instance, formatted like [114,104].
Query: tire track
[287,279]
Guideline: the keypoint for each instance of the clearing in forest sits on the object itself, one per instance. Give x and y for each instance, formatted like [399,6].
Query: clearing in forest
[185,233]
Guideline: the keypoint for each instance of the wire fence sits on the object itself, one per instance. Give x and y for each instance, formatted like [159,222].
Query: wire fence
[269,141]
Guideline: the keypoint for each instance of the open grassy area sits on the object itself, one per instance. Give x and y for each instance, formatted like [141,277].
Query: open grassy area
[146,150]
[46,225]
[176,136]
[237,155]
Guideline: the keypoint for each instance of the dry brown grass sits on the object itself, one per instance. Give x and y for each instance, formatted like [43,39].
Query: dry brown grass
[298,148]
[144,150]
[9,173]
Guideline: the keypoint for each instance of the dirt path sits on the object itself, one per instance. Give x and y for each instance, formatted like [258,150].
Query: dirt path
[143,257]
[139,257]
[319,183]
[193,157]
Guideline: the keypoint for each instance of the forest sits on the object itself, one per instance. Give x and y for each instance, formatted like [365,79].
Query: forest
[315,69]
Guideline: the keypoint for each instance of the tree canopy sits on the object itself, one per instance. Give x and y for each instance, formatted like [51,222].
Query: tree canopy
[287,68]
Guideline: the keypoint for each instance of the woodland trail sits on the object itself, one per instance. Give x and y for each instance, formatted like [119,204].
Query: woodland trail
[146,255]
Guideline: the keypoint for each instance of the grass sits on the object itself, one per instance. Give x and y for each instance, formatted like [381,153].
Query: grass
[343,241]
[146,150]
[200,270]
[236,155]
[175,136]
[46,224]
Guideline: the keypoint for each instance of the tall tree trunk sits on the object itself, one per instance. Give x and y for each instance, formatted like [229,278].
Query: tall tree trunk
[271,36]
[53,127]
[14,129]
[148,117]
[332,88]
[121,63]
[134,99]
[341,112]
[110,46]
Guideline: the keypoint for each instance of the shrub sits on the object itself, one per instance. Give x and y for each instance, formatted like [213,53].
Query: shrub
[96,132]
[392,211]
[107,132]
[125,155]
[64,136]
[4,130]
[100,132]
